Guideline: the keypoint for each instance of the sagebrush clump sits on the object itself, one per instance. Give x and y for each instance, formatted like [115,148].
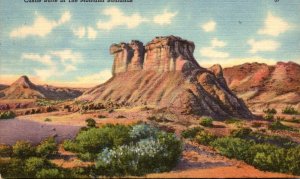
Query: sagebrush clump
[120,150]
[265,152]
[7,115]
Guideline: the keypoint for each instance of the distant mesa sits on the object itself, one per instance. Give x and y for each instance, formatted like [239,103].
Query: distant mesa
[266,86]
[164,73]
[23,88]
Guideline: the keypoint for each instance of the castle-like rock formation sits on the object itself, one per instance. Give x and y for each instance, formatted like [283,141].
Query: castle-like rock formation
[162,54]
[164,73]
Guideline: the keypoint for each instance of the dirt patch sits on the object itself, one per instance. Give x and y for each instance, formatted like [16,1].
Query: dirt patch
[203,162]
[14,129]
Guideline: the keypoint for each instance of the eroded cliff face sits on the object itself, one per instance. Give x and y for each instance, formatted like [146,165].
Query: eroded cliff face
[162,54]
[164,73]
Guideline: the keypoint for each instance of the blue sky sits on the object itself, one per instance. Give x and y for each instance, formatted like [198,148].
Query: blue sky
[67,44]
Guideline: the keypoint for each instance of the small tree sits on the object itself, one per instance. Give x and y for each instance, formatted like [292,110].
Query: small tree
[207,122]
[49,173]
[23,149]
[34,164]
[90,123]
[290,110]
[47,147]
[5,150]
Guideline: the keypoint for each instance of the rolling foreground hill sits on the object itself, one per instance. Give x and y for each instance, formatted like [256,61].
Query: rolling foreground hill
[23,88]
[164,73]
[262,86]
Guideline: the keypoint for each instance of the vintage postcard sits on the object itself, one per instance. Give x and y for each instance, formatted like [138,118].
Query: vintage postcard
[156,89]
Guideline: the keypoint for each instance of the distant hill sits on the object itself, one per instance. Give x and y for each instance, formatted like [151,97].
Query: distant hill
[261,85]
[23,88]
[2,87]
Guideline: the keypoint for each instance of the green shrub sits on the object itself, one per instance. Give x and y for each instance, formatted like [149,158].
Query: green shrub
[5,150]
[142,157]
[7,115]
[47,147]
[295,120]
[268,158]
[95,139]
[101,116]
[47,120]
[90,123]
[4,167]
[248,134]
[241,133]
[142,131]
[158,118]
[120,116]
[277,125]
[233,147]
[269,117]
[205,138]
[278,118]
[23,149]
[15,169]
[290,110]
[46,102]
[232,121]
[207,122]
[270,111]
[292,159]
[34,164]
[70,145]
[121,150]
[191,132]
[49,173]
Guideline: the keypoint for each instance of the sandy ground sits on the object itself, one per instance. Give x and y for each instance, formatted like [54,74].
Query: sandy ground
[14,129]
[197,161]
[202,162]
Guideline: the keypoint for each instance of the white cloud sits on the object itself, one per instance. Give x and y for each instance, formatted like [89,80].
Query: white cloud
[65,18]
[164,18]
[262,45]
[274,26]
[54,60]
[40,27]
[82,31]
[79,32]
[70,67]
[45,74]
[229,62]
[85,81]
[217,43]
[68,59]
[68,55]
[45,59]
[212,52]
[209,26]
[92,34]
[119,18]
[95,78]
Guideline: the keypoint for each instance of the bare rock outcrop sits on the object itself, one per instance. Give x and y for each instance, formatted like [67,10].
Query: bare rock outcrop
[165,74]
[170,54]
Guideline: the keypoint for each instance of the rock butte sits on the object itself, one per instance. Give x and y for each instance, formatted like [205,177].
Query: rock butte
[164,73]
